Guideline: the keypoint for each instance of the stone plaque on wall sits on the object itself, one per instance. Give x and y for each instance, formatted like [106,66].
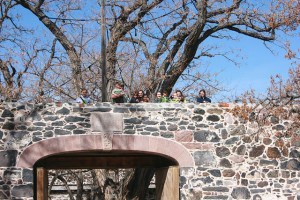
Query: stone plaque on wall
[106,122]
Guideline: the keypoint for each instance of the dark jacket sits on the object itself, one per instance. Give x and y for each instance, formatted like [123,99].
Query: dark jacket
[203,100]
[133,100]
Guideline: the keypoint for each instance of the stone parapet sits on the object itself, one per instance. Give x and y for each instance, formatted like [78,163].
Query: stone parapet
[233,158]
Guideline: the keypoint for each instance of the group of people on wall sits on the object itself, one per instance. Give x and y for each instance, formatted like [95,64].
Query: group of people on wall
[118,95]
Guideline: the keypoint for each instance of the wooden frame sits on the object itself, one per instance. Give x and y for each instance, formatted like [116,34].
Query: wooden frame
[41,183]
[167,173]
[167,183]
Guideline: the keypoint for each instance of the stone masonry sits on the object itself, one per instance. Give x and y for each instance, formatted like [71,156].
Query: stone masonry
[233,160]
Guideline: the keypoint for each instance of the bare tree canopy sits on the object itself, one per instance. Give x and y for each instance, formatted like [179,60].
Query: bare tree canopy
[55,45]
[52,48]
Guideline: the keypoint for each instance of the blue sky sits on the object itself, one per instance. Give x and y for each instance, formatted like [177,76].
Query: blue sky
[257,63]
[256,67]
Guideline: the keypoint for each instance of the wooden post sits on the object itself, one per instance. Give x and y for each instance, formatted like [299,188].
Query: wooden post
[167,183]
[42,183]
[103,52]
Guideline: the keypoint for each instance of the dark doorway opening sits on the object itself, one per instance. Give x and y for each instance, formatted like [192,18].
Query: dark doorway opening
[139,166]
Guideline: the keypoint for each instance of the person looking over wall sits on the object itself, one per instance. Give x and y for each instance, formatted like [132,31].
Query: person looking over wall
[158,98]
[84,97]
[202,97]
[146,99]
[174,98]
[134,98]
[165,97]
[141,96]
[118,94]
[180,96]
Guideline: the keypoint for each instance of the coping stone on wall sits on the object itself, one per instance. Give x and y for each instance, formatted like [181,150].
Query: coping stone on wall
[106,122]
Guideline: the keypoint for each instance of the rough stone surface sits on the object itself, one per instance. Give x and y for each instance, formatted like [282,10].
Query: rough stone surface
[228,173]
[257,151]
[27,175]
[106,122]
[204,158]
[241,150]
[240,130]
[232,140]
[199,111]
[213,118]
[273,152]
[63,111]
[268,162]
[197,118]
[215,172]
[225,163]
[8,158]
[7,113]
[206,136]
[8,126]
[241,193]
[292,164]
[222,152]
[295,141]
[234,158]
[295,154]
[215,111]
[267,141]
[184,136]
[22,191]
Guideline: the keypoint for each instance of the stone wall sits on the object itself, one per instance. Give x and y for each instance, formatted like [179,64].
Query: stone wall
[233,160]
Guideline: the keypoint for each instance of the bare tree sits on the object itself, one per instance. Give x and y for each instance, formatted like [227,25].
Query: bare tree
[102,184]
[166,38]
[172,34]
[38,10]
[281,103]
[151,44]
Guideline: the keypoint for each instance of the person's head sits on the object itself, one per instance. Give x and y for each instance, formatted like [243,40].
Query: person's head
[141,93]
[174,95]
[119,85]
[145,98]
[179,93]
[135,94]
[165,94]
[202,93]
[84,92]
[158,95]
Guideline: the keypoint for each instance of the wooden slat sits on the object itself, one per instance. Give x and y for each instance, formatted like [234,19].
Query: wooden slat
[42,183]
[167,183]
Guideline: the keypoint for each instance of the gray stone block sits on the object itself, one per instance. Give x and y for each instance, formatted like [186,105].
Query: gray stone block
[204,158]
[213,118]
[27,175]
[8,158]
[7,113]
[22,191]
[241,193]
[292,164]
[63,111]
[107,122]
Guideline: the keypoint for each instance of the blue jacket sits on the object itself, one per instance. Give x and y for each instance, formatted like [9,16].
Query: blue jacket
[203,100]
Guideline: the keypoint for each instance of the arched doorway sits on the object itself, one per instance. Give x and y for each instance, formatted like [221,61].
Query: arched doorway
[127,151]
